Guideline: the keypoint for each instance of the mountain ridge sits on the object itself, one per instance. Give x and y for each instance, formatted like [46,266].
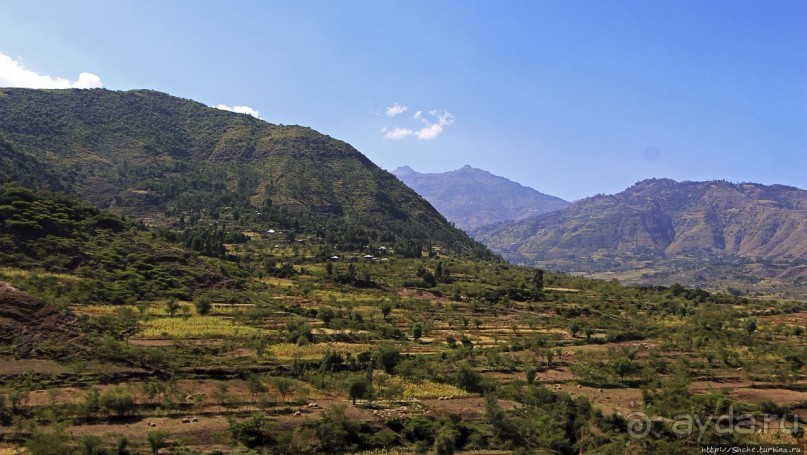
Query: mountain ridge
[472,197]
[659,221]
[167,160]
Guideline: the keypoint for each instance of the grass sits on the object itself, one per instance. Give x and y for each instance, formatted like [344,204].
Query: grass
[12,273]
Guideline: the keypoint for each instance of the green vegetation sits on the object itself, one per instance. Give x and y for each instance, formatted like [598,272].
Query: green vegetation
[330,337]
[207,175]
[529,366]
[104,258]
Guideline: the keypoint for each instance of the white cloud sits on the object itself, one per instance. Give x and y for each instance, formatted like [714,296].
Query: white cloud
[395,109]
[87,80]
[397,133]
[434,123]
[444,119]
[240,110]
[14,74]
[429,132]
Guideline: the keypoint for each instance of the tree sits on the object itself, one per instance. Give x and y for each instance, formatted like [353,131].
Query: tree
[202,305]
[417,331]
[531,373]
[386,309]
[157,440]
[92,445]
[504,430]
[388,357]
[751,325]
[549,357]
[53,443]
[255,386]
[90,404]
[125,323]
[260,344]
[171,306]
[326,315]
[442,274]
[249,432]
[357,388]
[538,280]
[574,327]
[794,362]
[221,393]
[446,440]
[283,386]
[622,366]
[117,400]
[469,379]
[331,361]
[335,431]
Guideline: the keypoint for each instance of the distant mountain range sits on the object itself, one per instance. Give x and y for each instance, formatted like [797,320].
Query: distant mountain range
[701,233]
[180,165]
[472,198]
[175,162]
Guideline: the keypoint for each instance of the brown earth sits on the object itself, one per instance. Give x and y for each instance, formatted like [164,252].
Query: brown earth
[30,327]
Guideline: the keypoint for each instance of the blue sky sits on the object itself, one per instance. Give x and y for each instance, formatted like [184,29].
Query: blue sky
[572,98]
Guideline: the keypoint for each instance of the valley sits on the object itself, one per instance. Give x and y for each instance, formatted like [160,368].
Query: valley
[179,279]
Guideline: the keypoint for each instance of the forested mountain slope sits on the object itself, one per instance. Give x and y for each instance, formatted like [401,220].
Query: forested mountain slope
[175,162]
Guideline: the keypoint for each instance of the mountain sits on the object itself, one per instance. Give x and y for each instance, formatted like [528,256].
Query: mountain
[111,260]
[174,162]
[472,198]
[693,232]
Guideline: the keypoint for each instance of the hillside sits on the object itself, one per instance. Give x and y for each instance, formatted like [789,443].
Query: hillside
[176,162]
[478,356]
[659,227]
[45,235]
[30,327]
[130,345]
[472,198]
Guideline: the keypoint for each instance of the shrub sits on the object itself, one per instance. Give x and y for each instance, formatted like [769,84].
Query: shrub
[117,400]
[249,432]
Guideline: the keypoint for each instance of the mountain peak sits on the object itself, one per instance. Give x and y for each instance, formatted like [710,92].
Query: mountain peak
[143,146]
[660,224]
[472,197]
[404,170]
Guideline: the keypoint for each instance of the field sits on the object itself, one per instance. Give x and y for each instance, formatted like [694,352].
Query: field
[487,358]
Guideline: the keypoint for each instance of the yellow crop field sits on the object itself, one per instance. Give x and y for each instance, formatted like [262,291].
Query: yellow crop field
[12,273]
[349,297]
[156,309]
[198,327]
[311,351]
[416,389]
[279,282]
